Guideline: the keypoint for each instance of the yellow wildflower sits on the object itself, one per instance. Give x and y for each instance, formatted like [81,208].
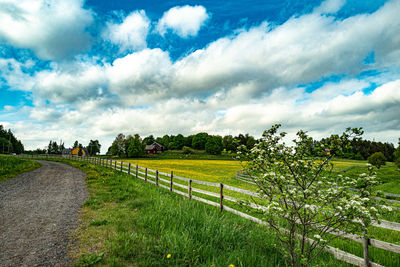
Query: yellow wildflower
[168,256]
[231,265]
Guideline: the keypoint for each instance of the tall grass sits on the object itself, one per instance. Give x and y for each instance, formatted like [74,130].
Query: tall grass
[12,166]
[128,222]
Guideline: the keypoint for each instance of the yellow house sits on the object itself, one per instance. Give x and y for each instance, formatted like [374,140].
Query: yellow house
[75,151]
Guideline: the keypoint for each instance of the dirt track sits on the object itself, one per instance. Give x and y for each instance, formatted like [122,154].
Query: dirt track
[38,212]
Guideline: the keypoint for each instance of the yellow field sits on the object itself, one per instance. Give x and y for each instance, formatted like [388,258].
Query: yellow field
[207,170]
[212,170]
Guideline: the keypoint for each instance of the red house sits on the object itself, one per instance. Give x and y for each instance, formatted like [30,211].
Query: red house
[154,148]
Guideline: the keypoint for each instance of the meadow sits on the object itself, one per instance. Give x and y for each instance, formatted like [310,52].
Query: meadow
[127,222]
[12,166]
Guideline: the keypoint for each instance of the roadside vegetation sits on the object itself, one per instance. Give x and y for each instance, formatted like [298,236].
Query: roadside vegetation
[12,166]
[127,222]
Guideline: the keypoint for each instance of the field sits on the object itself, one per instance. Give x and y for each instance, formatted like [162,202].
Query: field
[12,166]
[127,222]
[225,170]
[111,210]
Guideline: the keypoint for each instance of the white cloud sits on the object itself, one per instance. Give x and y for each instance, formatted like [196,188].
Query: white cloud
[52,29]
[86,81]
[131,34]
[330,6]
[140,77]
[184,21]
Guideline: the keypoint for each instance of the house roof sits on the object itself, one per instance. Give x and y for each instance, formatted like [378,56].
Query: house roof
[155,145]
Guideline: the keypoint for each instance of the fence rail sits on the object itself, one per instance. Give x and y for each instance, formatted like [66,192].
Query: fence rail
[172,182]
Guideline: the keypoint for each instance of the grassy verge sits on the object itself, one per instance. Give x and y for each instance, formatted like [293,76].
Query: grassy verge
[127,222]
[12,166]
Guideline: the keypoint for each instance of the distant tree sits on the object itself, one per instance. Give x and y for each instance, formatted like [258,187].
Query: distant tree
[55,148]
[4,145]
[199,141]
[118,146]
[227,143]
[149,140]
[136,147]
[188,141]
[76,144]
[165,141]
[80,151]
[179,141]
[377,159]
[93,147]
[214,145]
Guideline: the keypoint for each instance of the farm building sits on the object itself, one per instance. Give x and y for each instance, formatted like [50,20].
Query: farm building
[154,148]
[74,151]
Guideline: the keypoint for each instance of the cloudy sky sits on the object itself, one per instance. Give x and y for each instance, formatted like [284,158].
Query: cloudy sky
[80,70]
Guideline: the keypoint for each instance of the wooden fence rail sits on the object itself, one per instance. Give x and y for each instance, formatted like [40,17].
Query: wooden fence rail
[170,182]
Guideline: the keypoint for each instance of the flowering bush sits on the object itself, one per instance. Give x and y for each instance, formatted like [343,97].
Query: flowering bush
[306,200]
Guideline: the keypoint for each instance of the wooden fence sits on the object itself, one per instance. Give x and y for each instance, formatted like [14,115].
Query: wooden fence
[185,187]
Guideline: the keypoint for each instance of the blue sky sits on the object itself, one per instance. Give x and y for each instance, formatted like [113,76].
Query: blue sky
[81,70]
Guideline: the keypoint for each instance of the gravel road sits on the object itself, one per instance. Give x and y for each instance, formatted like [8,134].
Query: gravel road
[38,212]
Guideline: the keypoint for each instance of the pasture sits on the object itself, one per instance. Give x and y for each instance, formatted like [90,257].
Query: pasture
[12,166]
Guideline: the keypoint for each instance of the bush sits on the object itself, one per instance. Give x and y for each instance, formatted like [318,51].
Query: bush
[397,162]
[377,159]
[187,150]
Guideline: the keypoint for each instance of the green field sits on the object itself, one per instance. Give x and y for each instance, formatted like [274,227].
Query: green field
[12,166]
[127,222]
[110,211]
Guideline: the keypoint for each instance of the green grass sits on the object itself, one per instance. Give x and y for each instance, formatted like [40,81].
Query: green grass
[12,166]
[127,222]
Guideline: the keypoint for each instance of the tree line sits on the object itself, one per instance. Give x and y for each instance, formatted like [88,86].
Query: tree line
[358,148]
[9,143]
[134,145]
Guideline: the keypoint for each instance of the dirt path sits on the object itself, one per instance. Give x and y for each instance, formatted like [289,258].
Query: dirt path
[38,211]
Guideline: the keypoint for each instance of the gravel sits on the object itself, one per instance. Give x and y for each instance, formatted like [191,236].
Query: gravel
[38,213]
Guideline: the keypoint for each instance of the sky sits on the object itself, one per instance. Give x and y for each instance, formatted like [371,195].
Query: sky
[81,70]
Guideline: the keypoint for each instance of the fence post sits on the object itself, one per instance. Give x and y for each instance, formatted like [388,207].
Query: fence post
[221,196]
[137,169]
[190,189]
[145,175]
[121,166]
[129,169]
[115,165]
[365,248]
[156,177]
[172,175]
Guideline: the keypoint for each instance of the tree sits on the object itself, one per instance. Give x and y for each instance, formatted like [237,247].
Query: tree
[377,159]
[118,146]
[199,141]
[80,150]
[149,140]
[4,145]
[305,199]
[93,147]
[136,147]
[227,143]
[214,145]
[76,144]
[179,141]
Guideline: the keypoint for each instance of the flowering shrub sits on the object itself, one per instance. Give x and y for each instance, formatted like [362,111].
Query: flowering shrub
[306,200]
